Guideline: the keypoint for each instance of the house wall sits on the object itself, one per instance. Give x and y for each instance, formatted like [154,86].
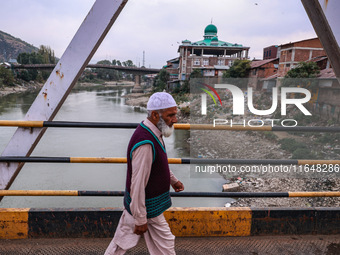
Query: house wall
[261,72]
[270,52]
[328,104]
[293,53]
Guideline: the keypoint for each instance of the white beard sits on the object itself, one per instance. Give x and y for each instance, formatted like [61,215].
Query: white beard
[164,128]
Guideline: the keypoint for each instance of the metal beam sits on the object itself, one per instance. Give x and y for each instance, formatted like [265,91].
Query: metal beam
[184,126]
[335,163]
[89,193]
[57,87]
[325,25]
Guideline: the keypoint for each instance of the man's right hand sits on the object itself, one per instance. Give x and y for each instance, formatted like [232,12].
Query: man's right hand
[139,230]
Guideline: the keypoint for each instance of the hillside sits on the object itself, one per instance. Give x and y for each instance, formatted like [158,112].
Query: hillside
[11,47]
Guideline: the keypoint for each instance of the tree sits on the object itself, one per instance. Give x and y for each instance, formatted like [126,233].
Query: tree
[239,69]
[304,70]
[128,63]
[196,73]
[303,75]
[161,80]
[6,77]
[104,62]
[45,55]
[107,74]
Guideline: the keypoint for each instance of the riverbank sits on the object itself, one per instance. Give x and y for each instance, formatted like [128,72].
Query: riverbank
[20,88]
[254,145]
[137,99]
[32,86]
[108,84]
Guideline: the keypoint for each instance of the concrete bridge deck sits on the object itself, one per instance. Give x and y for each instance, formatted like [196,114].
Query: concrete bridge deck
[252,245]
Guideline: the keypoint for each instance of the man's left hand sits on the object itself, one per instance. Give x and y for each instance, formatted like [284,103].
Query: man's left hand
[178,186]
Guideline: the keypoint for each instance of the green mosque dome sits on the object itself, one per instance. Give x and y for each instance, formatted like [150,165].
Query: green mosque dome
[210,29]
[214,39]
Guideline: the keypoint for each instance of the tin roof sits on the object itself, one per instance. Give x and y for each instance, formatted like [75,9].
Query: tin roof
[256,64]
[327,74]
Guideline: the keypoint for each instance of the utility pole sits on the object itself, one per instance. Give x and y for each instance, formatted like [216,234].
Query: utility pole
[143,58]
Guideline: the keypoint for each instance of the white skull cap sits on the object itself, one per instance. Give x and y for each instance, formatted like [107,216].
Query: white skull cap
[160,100]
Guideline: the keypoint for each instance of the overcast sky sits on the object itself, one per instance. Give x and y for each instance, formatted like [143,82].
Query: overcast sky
[158,26]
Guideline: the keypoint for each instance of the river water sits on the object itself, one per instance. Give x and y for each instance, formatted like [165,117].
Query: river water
[97,104]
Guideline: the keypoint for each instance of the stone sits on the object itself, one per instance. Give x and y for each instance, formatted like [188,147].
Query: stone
[231,187]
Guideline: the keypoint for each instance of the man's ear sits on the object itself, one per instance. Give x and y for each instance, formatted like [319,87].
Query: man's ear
[154,115]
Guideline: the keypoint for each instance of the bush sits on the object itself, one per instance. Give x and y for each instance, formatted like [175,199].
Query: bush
[270,135]
[298,150]
[290,144]
[328,138]
[303,153]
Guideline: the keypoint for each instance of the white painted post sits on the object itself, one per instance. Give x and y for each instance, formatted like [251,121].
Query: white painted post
[64,76]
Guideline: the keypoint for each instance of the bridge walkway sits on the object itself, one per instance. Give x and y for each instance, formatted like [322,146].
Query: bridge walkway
[252,245]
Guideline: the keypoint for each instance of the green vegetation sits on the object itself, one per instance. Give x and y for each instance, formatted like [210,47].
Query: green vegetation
[270,135]
[196,73]
[303,153]
[329,138]
[180,93]
[98,75]
[239,69]
[304,70]
[238,73]
[161,81]
[6,77]
[45,55]
[298,150]
[302,76]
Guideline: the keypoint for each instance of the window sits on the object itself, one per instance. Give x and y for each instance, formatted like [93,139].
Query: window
[205,62]
[197,62]
[220,62]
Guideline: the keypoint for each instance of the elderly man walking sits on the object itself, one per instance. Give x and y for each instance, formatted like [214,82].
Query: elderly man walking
[148,182]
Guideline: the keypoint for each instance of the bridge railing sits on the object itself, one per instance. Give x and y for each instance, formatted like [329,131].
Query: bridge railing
[67,124]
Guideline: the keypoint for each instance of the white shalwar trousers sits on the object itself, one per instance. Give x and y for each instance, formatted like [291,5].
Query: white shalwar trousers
[158,237]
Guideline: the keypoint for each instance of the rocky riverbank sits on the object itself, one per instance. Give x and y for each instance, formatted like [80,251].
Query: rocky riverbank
[20,88]
[137,99]
[254,145]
